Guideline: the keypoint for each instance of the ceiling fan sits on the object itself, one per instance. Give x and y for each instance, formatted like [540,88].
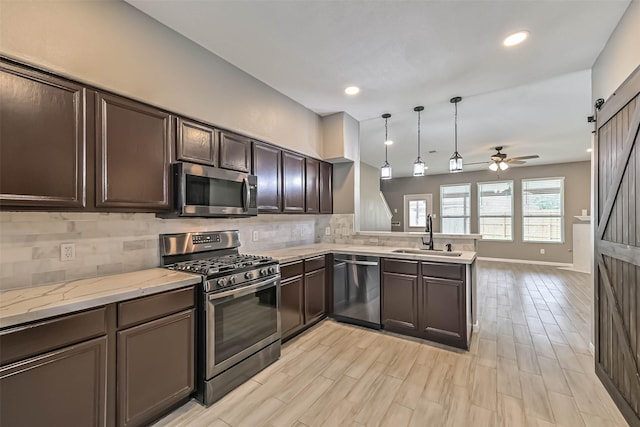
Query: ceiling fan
[500,161]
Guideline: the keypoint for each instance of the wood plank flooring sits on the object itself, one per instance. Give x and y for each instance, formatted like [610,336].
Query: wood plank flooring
[529,365]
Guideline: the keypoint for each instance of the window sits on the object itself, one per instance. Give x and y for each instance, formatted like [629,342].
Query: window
[543,210]
[416,208]
[455,208]
[495,210]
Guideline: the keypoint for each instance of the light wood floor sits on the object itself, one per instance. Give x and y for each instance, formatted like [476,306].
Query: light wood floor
[529,365]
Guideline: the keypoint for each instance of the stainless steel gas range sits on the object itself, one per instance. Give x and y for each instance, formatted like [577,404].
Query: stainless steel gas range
[238,328]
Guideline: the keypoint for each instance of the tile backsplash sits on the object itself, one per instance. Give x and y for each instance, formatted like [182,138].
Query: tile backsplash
[108,243]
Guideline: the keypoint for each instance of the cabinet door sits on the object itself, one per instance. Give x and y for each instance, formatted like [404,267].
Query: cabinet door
[132,158]
[442,313]
[42,140]
[291,306]
[62,388]
[155,367]
[400,302]
[312,184]
[267,166]
[326,191]
[314,295]
[293,168]
[196,143]
[235,152]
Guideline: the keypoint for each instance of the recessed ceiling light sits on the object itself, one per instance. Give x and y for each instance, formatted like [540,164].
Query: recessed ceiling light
[515,38]
[352,90]
[589,150]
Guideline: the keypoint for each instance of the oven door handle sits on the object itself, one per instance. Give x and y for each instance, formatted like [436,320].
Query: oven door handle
[235,293]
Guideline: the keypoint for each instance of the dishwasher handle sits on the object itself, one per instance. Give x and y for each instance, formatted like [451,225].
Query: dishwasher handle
[347,261]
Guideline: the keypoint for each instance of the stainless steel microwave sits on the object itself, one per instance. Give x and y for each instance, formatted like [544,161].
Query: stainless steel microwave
[204,191]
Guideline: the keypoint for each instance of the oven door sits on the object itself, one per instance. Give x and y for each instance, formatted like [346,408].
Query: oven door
[240,322]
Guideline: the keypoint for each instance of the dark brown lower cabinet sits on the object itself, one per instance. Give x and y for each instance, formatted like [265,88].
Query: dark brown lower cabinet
[427,300]
[303,291]
[443,314]
[155,367]
[314,292]
[399,302]
[291,306]
[65,387]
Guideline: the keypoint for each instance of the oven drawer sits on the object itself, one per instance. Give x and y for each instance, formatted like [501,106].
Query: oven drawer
[154,306]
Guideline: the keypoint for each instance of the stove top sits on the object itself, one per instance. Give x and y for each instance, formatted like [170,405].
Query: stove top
[222,265]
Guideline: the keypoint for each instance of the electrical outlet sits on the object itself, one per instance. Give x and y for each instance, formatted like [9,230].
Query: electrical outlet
[541,251]
[395,210]
[256,236]
[327,231]
[67,251]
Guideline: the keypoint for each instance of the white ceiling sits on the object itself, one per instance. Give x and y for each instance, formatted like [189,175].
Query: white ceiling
[532,99]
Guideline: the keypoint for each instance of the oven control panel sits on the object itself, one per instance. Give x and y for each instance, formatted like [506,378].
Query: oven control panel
[198,239]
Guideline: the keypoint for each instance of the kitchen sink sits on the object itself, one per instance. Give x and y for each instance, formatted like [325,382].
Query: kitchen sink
[426,252]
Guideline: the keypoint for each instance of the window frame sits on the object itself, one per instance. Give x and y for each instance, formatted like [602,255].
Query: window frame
[429,210]
[442,216]
[513,190]
[562,201]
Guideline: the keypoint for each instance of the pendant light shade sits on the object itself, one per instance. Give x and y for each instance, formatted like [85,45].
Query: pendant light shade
[455,162]
[385,170]
[418,165]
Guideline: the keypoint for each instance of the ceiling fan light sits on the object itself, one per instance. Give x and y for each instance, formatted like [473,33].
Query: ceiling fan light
[385,171]
[455,163]
[493,166]
[503,166]
[418,167]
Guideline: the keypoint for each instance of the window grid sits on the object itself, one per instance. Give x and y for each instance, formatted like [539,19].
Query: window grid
[543,210]
[455,208]
[495,210]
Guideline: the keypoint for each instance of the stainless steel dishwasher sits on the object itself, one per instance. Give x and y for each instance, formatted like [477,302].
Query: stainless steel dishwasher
[356,289]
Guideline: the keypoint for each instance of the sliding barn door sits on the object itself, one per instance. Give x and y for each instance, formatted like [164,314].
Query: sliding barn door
[617,247]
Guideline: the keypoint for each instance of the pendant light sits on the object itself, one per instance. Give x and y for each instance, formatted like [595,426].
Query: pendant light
[455,162]
[385,171]
[418,165]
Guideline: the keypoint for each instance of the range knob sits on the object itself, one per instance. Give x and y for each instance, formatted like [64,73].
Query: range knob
[248,275]
[222,281]
[272,270]
[264,272]
[232,280]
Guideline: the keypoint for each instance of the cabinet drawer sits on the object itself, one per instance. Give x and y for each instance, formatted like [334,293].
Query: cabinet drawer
[315,263]
[291,269]
[30,340]
[445,271]
[155,306]
[400,266]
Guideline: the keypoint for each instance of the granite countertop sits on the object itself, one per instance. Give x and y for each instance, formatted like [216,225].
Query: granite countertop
[300,252]
[26,305]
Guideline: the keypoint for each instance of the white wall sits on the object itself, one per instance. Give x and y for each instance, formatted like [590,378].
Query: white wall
[620,56]
[112,45]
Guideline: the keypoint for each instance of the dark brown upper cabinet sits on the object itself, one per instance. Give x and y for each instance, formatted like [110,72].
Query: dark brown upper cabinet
[43,149]
[196,142]
[293,194]
[267,166]
[312,184]
[326,190]
[132,155]
[235,152]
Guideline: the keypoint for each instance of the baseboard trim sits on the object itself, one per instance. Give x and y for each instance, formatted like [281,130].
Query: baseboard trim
[525,261]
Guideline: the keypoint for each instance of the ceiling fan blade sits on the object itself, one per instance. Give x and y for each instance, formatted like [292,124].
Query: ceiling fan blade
[476,163]
[516,162]
[535,156]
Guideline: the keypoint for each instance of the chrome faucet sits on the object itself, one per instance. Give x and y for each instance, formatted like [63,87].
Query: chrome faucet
[429,229]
